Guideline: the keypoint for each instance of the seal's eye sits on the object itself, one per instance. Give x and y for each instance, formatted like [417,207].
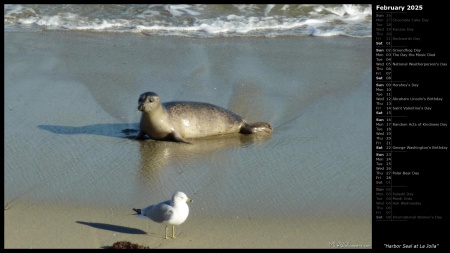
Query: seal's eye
[151,100]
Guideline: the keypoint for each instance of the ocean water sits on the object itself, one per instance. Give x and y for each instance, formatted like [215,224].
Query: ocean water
[195,20]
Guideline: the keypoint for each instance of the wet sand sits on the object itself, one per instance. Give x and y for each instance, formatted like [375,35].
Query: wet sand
[72,175]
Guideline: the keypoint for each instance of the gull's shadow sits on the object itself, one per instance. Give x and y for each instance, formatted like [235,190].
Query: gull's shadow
[113,228]
[112,130]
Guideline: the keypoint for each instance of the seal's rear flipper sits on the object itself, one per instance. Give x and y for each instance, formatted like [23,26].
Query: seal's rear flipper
[257,127]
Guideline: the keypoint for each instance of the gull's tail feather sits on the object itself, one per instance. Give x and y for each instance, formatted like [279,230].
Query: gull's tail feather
[138,211]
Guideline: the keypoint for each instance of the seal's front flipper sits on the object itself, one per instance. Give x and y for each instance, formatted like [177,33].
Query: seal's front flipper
[140,135]
[177,137]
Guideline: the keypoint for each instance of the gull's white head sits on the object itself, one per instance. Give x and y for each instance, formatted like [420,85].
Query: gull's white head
[180,197]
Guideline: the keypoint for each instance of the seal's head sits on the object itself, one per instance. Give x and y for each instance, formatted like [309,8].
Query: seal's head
[148,101]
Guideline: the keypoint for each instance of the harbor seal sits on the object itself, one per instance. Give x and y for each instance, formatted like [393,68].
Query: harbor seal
[178,121]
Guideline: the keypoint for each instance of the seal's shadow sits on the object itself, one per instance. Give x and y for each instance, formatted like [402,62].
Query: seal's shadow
[111,130]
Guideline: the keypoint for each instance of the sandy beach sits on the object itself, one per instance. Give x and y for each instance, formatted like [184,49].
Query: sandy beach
[72,174]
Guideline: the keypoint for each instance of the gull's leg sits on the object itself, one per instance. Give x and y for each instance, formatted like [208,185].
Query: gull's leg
[173,231]
[166,232]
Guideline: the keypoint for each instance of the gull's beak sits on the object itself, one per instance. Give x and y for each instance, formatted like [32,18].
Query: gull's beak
[189,200]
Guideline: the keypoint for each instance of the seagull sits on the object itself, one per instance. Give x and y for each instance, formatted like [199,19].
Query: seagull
[170,212]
